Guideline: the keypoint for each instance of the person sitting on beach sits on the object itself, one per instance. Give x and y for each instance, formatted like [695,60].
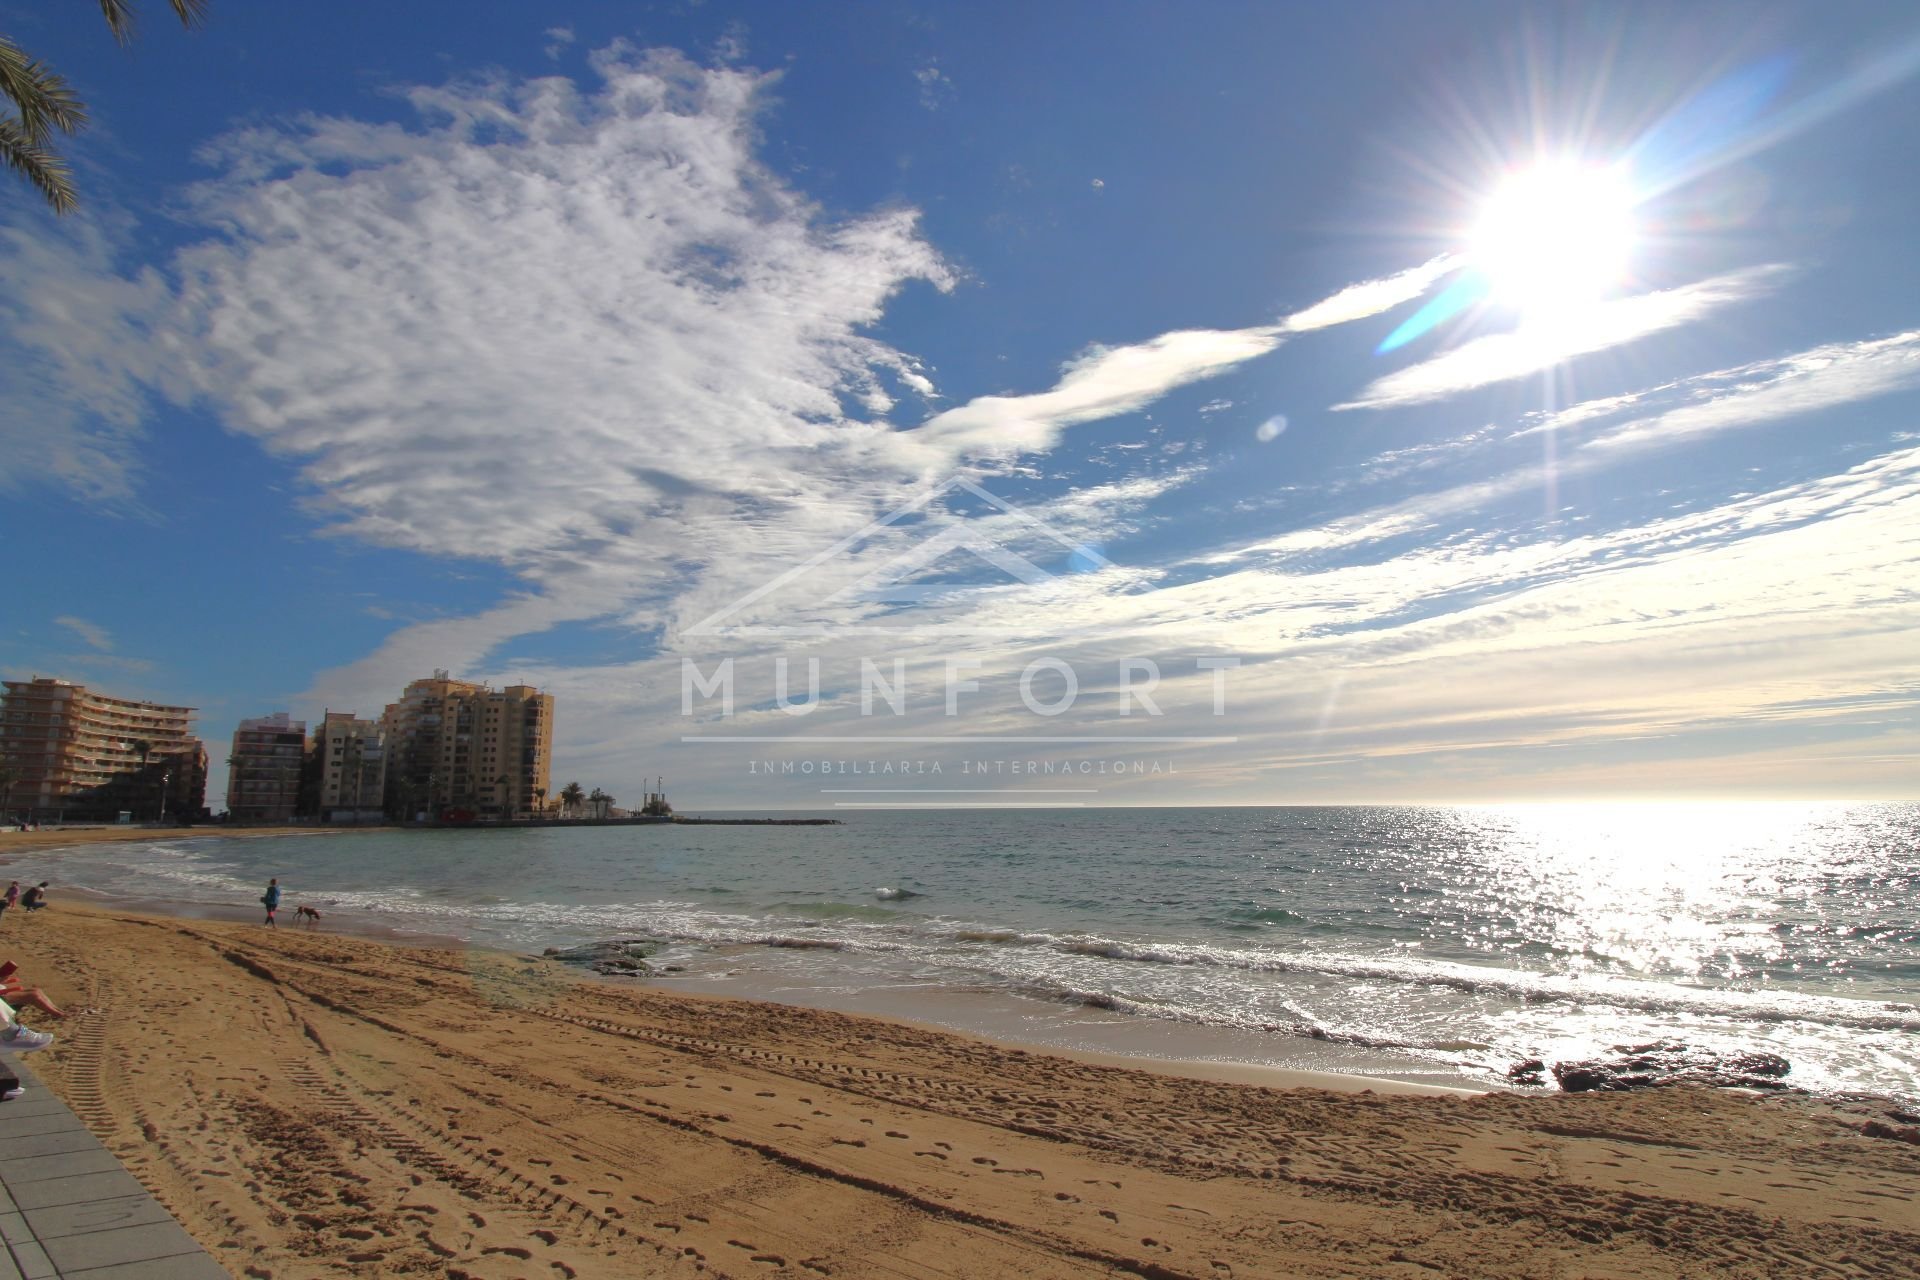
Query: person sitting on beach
[12,991]
[35,898]
[18,1037]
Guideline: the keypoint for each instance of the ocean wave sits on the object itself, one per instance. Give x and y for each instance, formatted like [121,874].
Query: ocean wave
[1639,995]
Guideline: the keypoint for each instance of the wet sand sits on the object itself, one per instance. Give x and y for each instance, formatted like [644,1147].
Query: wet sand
[312,1104]
[65,837]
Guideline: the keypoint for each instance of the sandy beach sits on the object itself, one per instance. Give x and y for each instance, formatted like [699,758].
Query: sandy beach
[310,1104]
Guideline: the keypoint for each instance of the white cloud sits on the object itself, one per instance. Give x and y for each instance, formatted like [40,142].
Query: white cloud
[1822,377]
[936,87]
[551,322]
[1836,374]
[1102,383]
[96,637]
[1503,357]
[558,38]
[81,354]
[1371,297]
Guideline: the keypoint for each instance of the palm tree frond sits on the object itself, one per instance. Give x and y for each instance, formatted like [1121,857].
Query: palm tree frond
[43,168]
[119,16]
[43,98]
[192,13]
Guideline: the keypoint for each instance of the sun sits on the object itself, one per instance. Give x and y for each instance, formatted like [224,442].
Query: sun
[1555,238]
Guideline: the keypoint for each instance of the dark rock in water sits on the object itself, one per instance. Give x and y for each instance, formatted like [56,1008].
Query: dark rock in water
[1528,1072]
[1578,1077]
[616,955]
[621,968]
[1670,1062]
[1759,1064]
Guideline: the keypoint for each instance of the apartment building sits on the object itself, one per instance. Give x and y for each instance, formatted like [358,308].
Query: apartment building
[461,751]
[263,773]
[351,755]
[69,753]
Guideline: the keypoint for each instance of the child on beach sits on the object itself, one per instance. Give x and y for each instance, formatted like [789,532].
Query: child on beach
[13,896]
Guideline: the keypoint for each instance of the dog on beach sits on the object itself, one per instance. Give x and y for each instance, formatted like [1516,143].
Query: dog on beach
[306,915]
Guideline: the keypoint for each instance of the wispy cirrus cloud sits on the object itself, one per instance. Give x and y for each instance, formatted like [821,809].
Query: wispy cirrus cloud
[1371,297]
[83,358]
[97,637]
[1503,357]
[1623,427]
[1105,382]
[1822,378]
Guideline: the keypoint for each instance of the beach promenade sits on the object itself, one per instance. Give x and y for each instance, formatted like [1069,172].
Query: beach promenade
[68,1207]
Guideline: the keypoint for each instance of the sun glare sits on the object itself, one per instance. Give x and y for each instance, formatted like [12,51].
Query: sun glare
[1555,238]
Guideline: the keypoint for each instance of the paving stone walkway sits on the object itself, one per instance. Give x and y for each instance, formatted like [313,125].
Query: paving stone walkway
[68,1207]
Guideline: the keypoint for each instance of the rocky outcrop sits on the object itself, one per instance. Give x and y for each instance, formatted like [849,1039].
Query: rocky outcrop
[616,957]
[1656,1065]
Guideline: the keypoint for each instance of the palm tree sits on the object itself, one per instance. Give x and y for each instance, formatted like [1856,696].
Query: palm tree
[571,795]
[45,104]
[540,801]
[143,749]
[236,779]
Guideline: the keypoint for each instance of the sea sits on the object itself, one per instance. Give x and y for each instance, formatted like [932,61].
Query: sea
[1438,944]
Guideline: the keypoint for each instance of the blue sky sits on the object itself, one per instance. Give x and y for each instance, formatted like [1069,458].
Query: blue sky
[520,340]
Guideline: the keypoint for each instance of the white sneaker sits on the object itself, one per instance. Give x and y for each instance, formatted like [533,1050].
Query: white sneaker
[24,1039]
[10,1094]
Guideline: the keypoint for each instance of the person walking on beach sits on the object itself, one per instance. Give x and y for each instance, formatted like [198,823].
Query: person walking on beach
[271,899]
[35,898]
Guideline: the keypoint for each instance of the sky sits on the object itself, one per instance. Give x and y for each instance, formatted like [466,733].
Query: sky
[1112,403]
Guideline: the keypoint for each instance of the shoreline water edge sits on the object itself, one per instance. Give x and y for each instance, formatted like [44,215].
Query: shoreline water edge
[1326,983]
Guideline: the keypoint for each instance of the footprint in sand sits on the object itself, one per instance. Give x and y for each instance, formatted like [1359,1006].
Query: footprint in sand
[764,1093]
[1110,1215]
[1065,1198]
[545,1237]
[934,1154]
[478,1221]
[984,1160]
[895,1133]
